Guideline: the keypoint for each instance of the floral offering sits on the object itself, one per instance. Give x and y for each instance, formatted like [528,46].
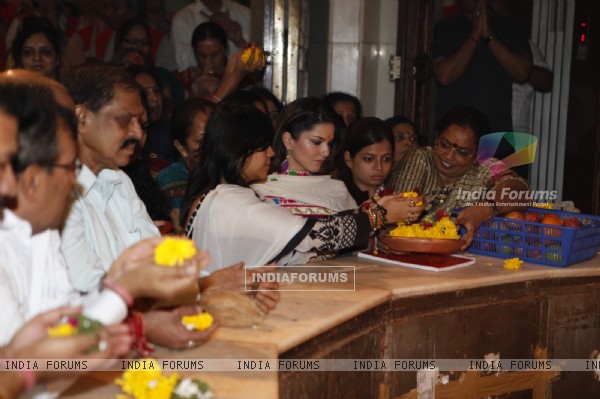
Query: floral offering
[79,324]
[173,251]
[437,225]
[150,383]
[412,194]
[512,264]
[261,56]
[200,321]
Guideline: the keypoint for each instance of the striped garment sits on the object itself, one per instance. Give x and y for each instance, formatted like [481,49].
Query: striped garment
[417,172]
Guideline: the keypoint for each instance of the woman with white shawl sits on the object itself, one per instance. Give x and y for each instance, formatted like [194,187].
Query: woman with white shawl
[308,136]
[228,218]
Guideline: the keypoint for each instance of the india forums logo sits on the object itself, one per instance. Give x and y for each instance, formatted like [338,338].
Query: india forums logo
[524,148]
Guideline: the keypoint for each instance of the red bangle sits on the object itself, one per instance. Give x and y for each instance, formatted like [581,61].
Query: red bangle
[136,327]
[29,378]
[120,290]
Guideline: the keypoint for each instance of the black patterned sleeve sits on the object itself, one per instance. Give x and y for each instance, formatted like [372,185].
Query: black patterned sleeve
[330,235]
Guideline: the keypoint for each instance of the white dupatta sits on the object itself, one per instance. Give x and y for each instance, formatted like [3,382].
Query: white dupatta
[307,195]
[234,225]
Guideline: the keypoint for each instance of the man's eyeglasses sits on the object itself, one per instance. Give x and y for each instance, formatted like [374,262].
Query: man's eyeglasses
[445,146]
[74,166]
[401,136]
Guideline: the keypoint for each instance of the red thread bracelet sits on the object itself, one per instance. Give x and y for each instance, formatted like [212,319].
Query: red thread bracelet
[120,290]
[136,327]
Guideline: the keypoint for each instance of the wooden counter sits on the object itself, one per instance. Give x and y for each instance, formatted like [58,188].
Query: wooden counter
[402,313]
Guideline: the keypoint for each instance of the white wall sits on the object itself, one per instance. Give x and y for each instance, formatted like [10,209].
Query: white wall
[362,35]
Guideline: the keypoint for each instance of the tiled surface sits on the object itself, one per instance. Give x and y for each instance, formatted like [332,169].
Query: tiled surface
[344,64]
[362,37]
[345,21]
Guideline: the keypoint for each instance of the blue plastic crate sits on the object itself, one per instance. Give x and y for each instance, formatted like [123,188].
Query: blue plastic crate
[546,244]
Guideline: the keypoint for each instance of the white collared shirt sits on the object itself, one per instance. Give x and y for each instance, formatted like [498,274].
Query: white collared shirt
[33,279]
[108,218]
[188,18]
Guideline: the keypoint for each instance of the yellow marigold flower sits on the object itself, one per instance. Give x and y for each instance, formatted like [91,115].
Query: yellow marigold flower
[444,229]
[245,57]
[147,383]
[62,330]
[513,263]
[174,251]
[412,194]
[200,321]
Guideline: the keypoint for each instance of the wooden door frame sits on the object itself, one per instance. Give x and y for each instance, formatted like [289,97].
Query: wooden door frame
[414,90]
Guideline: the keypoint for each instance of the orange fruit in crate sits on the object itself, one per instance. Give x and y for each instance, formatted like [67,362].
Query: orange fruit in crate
[515,215]
[550,218]
[531,216]
[573,222]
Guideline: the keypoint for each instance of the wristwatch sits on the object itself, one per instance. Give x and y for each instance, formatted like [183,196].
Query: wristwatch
[488,39]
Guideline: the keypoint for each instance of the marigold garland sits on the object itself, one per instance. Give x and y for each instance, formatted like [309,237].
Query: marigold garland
[78,324]
[150,383]
[174,251]
[62,330]
[438,225]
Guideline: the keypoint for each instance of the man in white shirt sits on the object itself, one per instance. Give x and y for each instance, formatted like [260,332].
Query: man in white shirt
[33,273]
[234,18]
[108,217]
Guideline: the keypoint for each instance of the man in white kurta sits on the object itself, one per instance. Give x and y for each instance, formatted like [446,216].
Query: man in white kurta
[108,217]
[33,279]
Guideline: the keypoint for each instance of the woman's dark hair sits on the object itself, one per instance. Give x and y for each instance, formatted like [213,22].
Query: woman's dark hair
[233,134]
[300,116]
[336,97]
[124,29]
[465,117]
[135,70]
[244,98]
[266,95]
[209,30]
[362,133]
[31,26]
[399,119]
[182,118]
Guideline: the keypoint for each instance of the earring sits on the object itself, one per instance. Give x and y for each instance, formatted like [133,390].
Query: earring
[285,164]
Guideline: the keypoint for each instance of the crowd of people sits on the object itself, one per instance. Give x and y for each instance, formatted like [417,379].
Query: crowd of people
[145,124]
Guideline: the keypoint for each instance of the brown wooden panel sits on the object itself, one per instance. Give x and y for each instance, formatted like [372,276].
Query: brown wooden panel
[555,318]
[359,338]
